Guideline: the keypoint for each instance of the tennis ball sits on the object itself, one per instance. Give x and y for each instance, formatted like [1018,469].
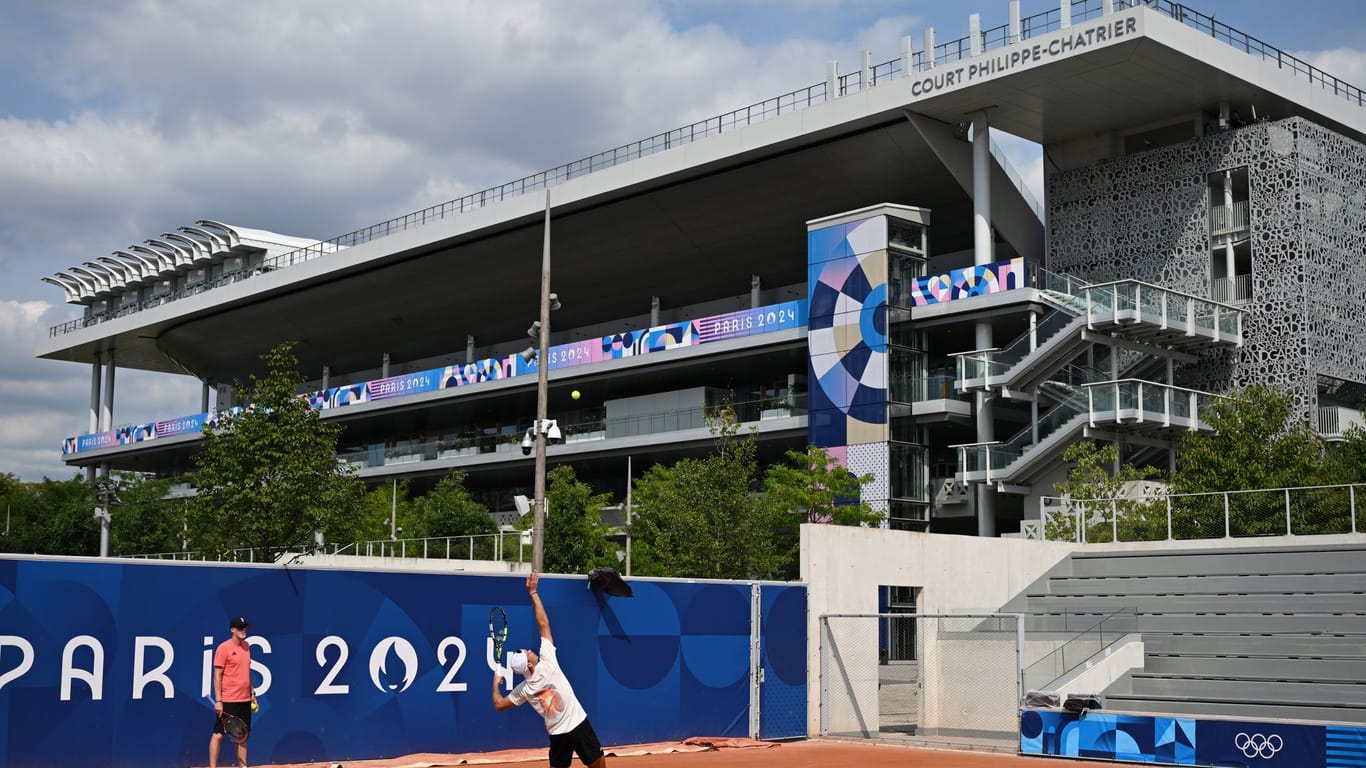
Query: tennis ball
[574,394]
[255,707]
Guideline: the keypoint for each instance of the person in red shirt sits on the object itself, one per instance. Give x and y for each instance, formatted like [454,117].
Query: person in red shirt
[232,691]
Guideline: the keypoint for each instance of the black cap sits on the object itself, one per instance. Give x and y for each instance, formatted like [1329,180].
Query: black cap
[238,622]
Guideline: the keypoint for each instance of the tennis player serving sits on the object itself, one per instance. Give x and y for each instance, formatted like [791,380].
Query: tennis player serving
[548,690]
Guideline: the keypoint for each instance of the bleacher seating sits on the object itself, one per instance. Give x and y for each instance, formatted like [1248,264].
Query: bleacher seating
[1256,631]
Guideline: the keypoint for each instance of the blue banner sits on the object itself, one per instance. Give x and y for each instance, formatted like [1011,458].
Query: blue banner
[662,338]
[1190,740]
[108,663]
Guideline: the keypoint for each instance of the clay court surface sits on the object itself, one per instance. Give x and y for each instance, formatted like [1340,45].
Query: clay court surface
[731,753]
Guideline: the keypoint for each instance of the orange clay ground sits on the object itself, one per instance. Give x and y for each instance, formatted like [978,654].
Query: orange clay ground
[732,753]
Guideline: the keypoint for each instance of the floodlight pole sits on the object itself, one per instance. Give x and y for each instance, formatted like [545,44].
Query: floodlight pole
[542,386]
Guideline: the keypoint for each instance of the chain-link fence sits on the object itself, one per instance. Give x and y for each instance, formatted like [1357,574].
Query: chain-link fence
[936,678]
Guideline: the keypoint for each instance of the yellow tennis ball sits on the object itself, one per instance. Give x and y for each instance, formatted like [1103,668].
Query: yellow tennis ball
[255,707]
[574,394]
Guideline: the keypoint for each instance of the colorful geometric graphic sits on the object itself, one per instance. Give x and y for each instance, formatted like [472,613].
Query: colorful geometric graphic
[1191,741]
[847,333]
[662,338]
[969,281]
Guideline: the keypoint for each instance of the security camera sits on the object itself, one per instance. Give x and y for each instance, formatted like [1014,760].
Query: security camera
[528,355]
[554,301]
[535,330]
[528,442]
[552,432]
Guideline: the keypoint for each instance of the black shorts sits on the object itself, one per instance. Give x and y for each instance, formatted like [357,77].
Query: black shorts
[240,708]
[583,740]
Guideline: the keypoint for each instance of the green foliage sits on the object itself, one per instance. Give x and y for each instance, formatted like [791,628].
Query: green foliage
[1259,442]
[700,519]
[52,517]
[1091,490]
[377,508]
[448,510]
[268,478]
[575,538]
[812,486]
[146,522]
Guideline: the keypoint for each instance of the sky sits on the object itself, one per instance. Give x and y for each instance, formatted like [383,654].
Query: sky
[123,119]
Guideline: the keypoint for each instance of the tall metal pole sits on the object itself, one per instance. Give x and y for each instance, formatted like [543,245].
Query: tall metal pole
[628,515]
[542,385]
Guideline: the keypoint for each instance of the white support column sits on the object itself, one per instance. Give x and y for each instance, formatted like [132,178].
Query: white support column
[982,251]
[907,56]
[95,394]
[832,80]
[654,311]
[866,65]
[1107,7]
[1065,13]
[384,367]
[469,348]
[1016,29]
[107,409]
[1229,260]
[975,33]
[927,57]
[754,285]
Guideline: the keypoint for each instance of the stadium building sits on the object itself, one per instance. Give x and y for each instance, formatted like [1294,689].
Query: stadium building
[853,264]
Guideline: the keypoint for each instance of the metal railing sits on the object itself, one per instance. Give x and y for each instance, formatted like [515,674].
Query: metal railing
[1234,290]
[1301,511]
[1131,400]
[1224,220]
[505,546]
[1334,420]
[802,98]
[1073,653]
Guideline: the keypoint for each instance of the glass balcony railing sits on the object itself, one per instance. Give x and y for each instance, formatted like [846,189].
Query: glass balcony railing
[1130,399]
[508,439]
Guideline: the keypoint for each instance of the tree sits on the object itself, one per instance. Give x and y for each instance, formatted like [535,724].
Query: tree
[268,476]
[575,538]
[1259,442]
[1092,496]
[385,505]
[145,521]
[701,519]
[818,489]
[52,517]
[448,510]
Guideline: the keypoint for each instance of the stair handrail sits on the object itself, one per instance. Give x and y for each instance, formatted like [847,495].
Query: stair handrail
[1058,659]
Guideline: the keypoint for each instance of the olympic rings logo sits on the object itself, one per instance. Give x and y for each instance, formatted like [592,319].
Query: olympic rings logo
[1257,745]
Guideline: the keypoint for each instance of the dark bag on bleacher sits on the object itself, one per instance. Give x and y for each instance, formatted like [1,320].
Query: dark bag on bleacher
[1082,702]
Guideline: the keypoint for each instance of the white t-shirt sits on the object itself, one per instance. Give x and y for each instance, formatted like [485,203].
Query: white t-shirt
[550,694]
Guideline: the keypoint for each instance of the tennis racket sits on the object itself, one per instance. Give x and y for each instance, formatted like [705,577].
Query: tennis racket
[233,727]
[498,631]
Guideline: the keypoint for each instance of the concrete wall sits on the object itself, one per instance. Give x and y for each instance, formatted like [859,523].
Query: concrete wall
[843,567]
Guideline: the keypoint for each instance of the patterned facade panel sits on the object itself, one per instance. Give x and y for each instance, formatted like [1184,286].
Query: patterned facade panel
[971,281]
[871,459]
[847,333]
[1146,216]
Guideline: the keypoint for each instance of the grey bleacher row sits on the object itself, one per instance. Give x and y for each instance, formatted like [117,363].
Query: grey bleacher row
[1271,631]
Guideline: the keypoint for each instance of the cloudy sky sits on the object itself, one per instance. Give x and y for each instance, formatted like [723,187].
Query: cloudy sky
[120,120]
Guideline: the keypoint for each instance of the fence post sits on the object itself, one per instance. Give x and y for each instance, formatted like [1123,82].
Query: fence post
[1352,505]
[1227,535]
[1288,531]
[1114,521]
[1169,518]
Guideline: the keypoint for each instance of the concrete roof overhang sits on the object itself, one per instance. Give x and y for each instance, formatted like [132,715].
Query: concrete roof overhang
[693,223]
